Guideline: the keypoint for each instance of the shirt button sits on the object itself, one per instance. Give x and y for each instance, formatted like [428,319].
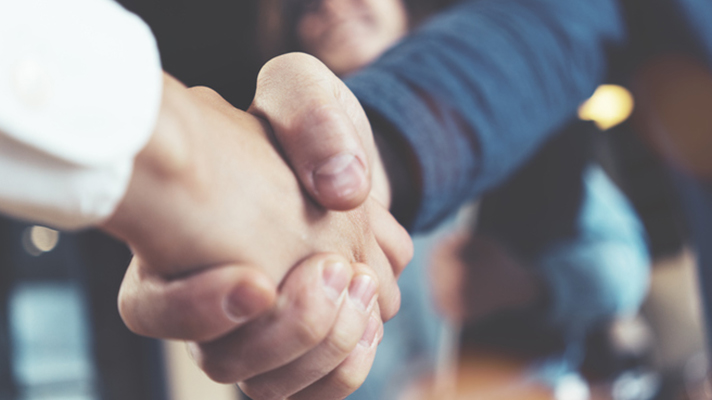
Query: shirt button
[32,83]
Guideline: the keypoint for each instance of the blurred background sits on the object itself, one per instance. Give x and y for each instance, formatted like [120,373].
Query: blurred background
[61,336]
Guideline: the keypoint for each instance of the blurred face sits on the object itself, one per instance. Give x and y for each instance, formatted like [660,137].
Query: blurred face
[348,34]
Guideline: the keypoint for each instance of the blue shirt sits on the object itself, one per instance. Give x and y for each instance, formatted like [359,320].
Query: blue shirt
[480,87]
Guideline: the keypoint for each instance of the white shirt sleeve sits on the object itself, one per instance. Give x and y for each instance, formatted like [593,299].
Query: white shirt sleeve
[80,90]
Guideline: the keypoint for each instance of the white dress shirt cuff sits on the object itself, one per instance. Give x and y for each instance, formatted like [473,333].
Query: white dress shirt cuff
[80,90]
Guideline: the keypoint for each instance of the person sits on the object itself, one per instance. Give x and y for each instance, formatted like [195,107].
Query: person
[420,91]
[408,92]
[523,95]
[109,140]
[524,65]
[578,43]
[477,55]
[430,80]
[590,270]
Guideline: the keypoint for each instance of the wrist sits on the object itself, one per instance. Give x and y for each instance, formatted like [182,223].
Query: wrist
[163,162]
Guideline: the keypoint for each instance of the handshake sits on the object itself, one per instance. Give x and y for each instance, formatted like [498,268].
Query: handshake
[263,237]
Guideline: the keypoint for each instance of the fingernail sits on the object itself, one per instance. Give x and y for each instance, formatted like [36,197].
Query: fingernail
[243,303]
[369,335]
[362,291]
[339,176]
[336,279]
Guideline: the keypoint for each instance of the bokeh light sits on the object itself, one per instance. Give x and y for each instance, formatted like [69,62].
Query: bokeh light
[38,239]
[609,106]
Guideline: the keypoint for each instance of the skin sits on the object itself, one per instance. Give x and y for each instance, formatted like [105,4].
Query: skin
[200,275]
[206,184]
[349,34]
[325,344]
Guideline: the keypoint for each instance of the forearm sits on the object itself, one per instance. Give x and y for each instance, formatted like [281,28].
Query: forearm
[472,99]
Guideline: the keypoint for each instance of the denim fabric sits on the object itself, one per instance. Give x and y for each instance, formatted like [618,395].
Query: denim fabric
[479,88]
[482,86]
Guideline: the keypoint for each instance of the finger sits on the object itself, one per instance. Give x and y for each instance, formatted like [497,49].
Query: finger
[389,296]
[306,310]
[350,328]
[321,127]
[393,239]
[351,373]
[397,248]
[201,306]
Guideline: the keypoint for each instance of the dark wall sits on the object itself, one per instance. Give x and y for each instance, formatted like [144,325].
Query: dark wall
[206,42]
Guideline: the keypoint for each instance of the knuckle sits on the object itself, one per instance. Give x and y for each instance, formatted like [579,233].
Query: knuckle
[342,340]
[203,90]
[324,117]
[326,113]
[311,328]
[310,318]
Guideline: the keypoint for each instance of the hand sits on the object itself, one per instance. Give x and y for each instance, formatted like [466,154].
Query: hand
[324,133]
[323,130]
[209,189]
[328,338]
[317,342]
[206,168]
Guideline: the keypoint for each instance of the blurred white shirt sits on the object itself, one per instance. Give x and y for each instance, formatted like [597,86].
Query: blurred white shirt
[80,90]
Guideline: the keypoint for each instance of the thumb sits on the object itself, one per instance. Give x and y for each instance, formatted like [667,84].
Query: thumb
[320,126]
[198,307]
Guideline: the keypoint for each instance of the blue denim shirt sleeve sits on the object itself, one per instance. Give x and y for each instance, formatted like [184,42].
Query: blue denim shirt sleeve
[476,90]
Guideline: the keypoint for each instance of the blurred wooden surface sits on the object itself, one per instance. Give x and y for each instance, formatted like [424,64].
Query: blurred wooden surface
[482,376]
[673,309]
[490,376]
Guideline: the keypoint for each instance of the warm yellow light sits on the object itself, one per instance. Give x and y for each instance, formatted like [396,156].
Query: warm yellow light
[44,239]
[609,106]
[38,239]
